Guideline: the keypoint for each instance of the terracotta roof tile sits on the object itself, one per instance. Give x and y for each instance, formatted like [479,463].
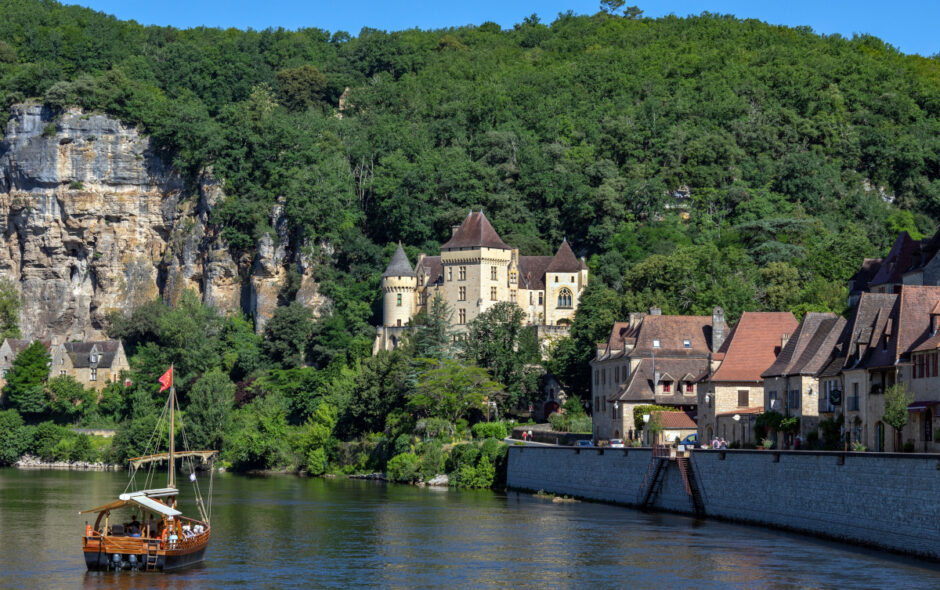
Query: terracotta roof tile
[916,304]
[753,345]
[676,420]
[475,232]
[759,410]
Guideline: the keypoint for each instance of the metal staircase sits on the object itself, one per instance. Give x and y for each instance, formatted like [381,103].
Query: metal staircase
[691,486]
[655,476]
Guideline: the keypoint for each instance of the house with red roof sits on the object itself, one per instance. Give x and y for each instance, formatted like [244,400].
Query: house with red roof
[475,270]
[651,359]
[731,396]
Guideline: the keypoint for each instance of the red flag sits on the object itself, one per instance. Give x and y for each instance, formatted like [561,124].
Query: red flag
[166,381]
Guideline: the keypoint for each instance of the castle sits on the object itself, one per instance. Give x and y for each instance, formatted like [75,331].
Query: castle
[476,270]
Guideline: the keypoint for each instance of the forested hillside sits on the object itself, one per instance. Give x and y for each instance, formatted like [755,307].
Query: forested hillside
[695,161]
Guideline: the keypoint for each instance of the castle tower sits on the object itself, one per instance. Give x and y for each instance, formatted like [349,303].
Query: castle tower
[398,287]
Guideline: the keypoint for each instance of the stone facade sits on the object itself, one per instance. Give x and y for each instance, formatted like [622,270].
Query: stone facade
[474,271]
[799,491]
[94,364]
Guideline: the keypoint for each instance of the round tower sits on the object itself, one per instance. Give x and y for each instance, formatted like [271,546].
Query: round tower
[399,285]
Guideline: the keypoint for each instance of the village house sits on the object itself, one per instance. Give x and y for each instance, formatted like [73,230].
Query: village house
[731,397]
[93,364]
[474,271]
[651,359]
[675,426]
[792,382]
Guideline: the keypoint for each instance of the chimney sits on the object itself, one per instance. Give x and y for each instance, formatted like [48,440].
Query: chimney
[656,311]
[718,328]
[453,230]
[783,340]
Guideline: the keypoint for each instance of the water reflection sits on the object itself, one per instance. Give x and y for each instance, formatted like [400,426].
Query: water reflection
[291,532]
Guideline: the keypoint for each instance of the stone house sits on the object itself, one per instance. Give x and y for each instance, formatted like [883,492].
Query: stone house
[651,359]
[9,348]
[732,396]
[675,427]
[93,364]
[791,383]
[475,270]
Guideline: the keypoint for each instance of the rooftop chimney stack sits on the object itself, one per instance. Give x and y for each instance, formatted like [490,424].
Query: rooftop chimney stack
[656,311]
[783,340]
[718,328]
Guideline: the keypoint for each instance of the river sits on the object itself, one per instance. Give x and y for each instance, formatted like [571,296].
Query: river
[284,531]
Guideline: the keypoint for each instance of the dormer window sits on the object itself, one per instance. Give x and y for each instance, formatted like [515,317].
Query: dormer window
[657,343]
[94,357]
[667,386]
[686,343]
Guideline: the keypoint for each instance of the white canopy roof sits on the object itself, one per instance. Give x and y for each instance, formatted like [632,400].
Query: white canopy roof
[155,506]
[154,493]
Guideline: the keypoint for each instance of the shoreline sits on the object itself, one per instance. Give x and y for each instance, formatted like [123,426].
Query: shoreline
[33,463]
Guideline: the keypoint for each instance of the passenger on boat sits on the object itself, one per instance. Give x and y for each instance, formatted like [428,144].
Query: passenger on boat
[133,528]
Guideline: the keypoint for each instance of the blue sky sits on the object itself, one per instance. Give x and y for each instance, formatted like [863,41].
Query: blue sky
[909,25]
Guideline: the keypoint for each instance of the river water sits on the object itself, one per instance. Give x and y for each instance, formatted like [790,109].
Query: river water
[285,531]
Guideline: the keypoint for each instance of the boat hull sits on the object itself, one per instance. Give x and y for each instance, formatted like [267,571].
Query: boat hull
[111,554]
[101,562]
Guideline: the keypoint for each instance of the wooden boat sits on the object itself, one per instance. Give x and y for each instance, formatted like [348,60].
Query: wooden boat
[163,539]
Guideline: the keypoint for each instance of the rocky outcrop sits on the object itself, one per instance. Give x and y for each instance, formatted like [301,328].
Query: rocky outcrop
[94,221]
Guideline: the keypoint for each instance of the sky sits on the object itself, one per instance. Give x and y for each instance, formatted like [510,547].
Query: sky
[909,25]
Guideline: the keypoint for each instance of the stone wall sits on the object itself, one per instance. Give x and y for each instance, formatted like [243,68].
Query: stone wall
[880,500]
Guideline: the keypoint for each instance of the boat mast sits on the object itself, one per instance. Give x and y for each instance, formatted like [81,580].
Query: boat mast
[172,477]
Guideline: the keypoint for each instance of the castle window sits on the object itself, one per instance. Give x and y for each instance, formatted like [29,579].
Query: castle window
[512,296]
[398,300]
[462,271]
[462,316]
[564,298]
[493,273]
[512,277]
[492,293]
[62,372]
[461,294]
[450,274]
[94,374]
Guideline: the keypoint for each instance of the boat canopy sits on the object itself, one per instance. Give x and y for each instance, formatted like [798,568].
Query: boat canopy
[144,499]
[136,462]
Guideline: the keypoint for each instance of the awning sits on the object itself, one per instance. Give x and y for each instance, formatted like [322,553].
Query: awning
[155,506]
[143,499]
[155,493]
[921,406]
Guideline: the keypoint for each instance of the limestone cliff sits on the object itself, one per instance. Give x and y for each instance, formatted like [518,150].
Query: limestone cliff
[94,221]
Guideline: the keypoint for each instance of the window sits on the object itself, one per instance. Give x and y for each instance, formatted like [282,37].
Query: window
[597,377]
[604,376]
[530,297]
[462,316]
[61,360]
[94,357]
[667,386]
[742,398]
[540,297]
[462,272]
[461,293]
[689,388]
[564,298]
[492,293]
[398,322]
[62,372]
[492,273]
[512,277]
[397,302]
[556,279]
[450,274]
[512,296]
[656,343]
[94,374]
[686,343]
[793,399]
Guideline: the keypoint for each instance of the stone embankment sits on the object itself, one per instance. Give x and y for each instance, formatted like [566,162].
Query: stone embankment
[883,500]
[31,462]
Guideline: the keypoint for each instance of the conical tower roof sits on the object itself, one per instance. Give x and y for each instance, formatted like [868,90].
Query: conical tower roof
[399,266]
[475,232]
[564,260]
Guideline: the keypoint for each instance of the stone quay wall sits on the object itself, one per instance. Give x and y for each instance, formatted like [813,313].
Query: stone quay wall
[884,500]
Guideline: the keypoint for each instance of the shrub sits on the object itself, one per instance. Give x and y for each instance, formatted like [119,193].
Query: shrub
[908,447]
[859,447]
[15,438]
[432,459]
[76,185]
[559,422]
[46,439]
[82,449]
[317,461]
[489,430]
[580,425]
[405,467]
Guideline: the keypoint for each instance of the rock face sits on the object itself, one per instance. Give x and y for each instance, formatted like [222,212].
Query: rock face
[94,221]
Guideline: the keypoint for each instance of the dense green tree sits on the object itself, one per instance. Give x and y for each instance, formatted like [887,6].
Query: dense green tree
[15,437]
[381,387]
[9,303]
[448,389]
[301,88]
[896,414]
[24,388]
[259,435]
[433,336]
[68,399]
[287,335]
[209,410]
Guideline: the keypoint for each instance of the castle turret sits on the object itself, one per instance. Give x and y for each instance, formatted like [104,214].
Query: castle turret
[399,284]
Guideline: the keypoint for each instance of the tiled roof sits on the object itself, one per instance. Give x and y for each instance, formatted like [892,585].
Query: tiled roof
[928,249]
[17,345]
[753,345]
[639,387]
[675,420]
[759,410]
[433,268]
[916,305]
[564,260]
[80,353]
[876,313]
[864,275]
[897,261]
[532,271]
[475,232]
[399,266]
[809,347]
[671,331]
